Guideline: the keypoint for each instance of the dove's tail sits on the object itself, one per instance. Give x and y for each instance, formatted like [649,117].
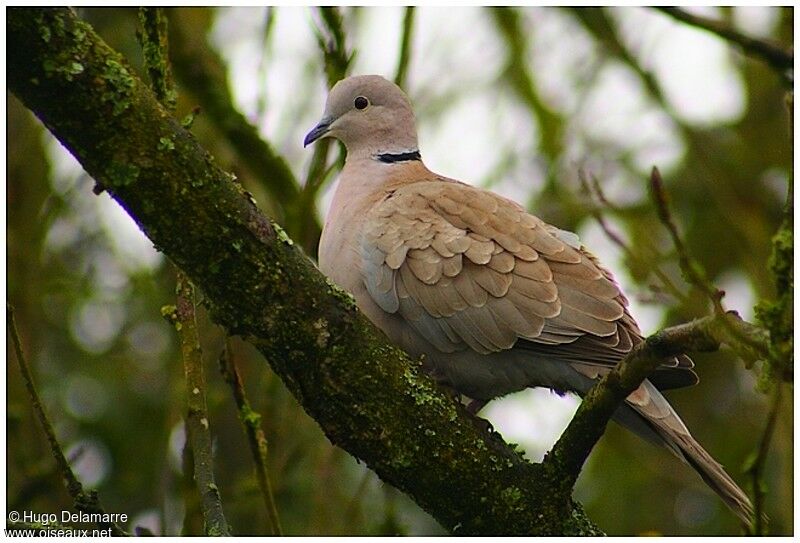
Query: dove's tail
[649,415]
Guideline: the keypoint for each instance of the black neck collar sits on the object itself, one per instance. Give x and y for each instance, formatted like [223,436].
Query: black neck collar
[391,158]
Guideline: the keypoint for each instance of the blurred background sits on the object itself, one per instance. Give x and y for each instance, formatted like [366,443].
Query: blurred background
[525,101]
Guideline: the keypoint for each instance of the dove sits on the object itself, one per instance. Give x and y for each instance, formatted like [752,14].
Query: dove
[492,298]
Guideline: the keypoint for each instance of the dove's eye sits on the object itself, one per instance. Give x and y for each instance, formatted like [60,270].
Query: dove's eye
[360,102]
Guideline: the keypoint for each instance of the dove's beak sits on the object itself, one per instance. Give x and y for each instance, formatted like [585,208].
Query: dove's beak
[317,132]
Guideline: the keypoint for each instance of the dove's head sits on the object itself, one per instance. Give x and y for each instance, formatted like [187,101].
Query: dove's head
[370,115]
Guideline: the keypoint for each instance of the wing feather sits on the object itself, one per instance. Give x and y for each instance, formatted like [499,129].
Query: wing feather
[468,269]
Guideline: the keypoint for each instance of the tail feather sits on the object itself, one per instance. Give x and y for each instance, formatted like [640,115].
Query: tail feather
[658,422]
[714,475]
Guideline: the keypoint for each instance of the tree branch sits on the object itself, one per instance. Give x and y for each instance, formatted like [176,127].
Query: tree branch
[405,47]
[594,190]
[368,396]
[598,406]
[251,421]
[87,502]
[695,275]
[772,54]
[336,62]
[198,433]
[778,316]
[155,47]
[757,464]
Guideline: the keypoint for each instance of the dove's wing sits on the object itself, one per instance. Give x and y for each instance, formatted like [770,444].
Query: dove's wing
[469,269]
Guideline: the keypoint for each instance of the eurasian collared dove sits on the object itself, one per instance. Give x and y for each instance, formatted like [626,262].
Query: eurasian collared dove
[494,298]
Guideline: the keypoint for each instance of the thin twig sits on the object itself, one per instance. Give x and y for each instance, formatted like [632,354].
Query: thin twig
[197,427]
[521,80]
[693,272]
[337,60]
[771,53]
[87,502]
[193,510]
[155,46]
[595,191]
[405,47]
[759,461]
[261,71]
[251,421]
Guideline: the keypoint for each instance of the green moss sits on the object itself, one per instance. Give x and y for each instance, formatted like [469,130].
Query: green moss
[323,335]
[166,144]
[578,524]
[340,294]
[215,531]
[402,460]
[250,417]
[282,235]
[170,314]
[119,86]
[777,316]
[79,33]
[512,497]
[74,68]
[121,174]
[56,66]
[188,120]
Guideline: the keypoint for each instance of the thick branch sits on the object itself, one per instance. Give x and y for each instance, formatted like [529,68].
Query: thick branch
[367,396]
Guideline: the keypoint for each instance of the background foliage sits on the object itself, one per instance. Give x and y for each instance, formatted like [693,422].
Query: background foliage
[516,100]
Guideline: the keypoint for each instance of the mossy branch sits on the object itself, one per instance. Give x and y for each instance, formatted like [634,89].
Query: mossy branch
[778,315]
[368,396]
[198,431]
[155,47]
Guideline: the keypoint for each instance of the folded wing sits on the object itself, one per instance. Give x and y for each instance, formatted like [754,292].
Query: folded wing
[469,269]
